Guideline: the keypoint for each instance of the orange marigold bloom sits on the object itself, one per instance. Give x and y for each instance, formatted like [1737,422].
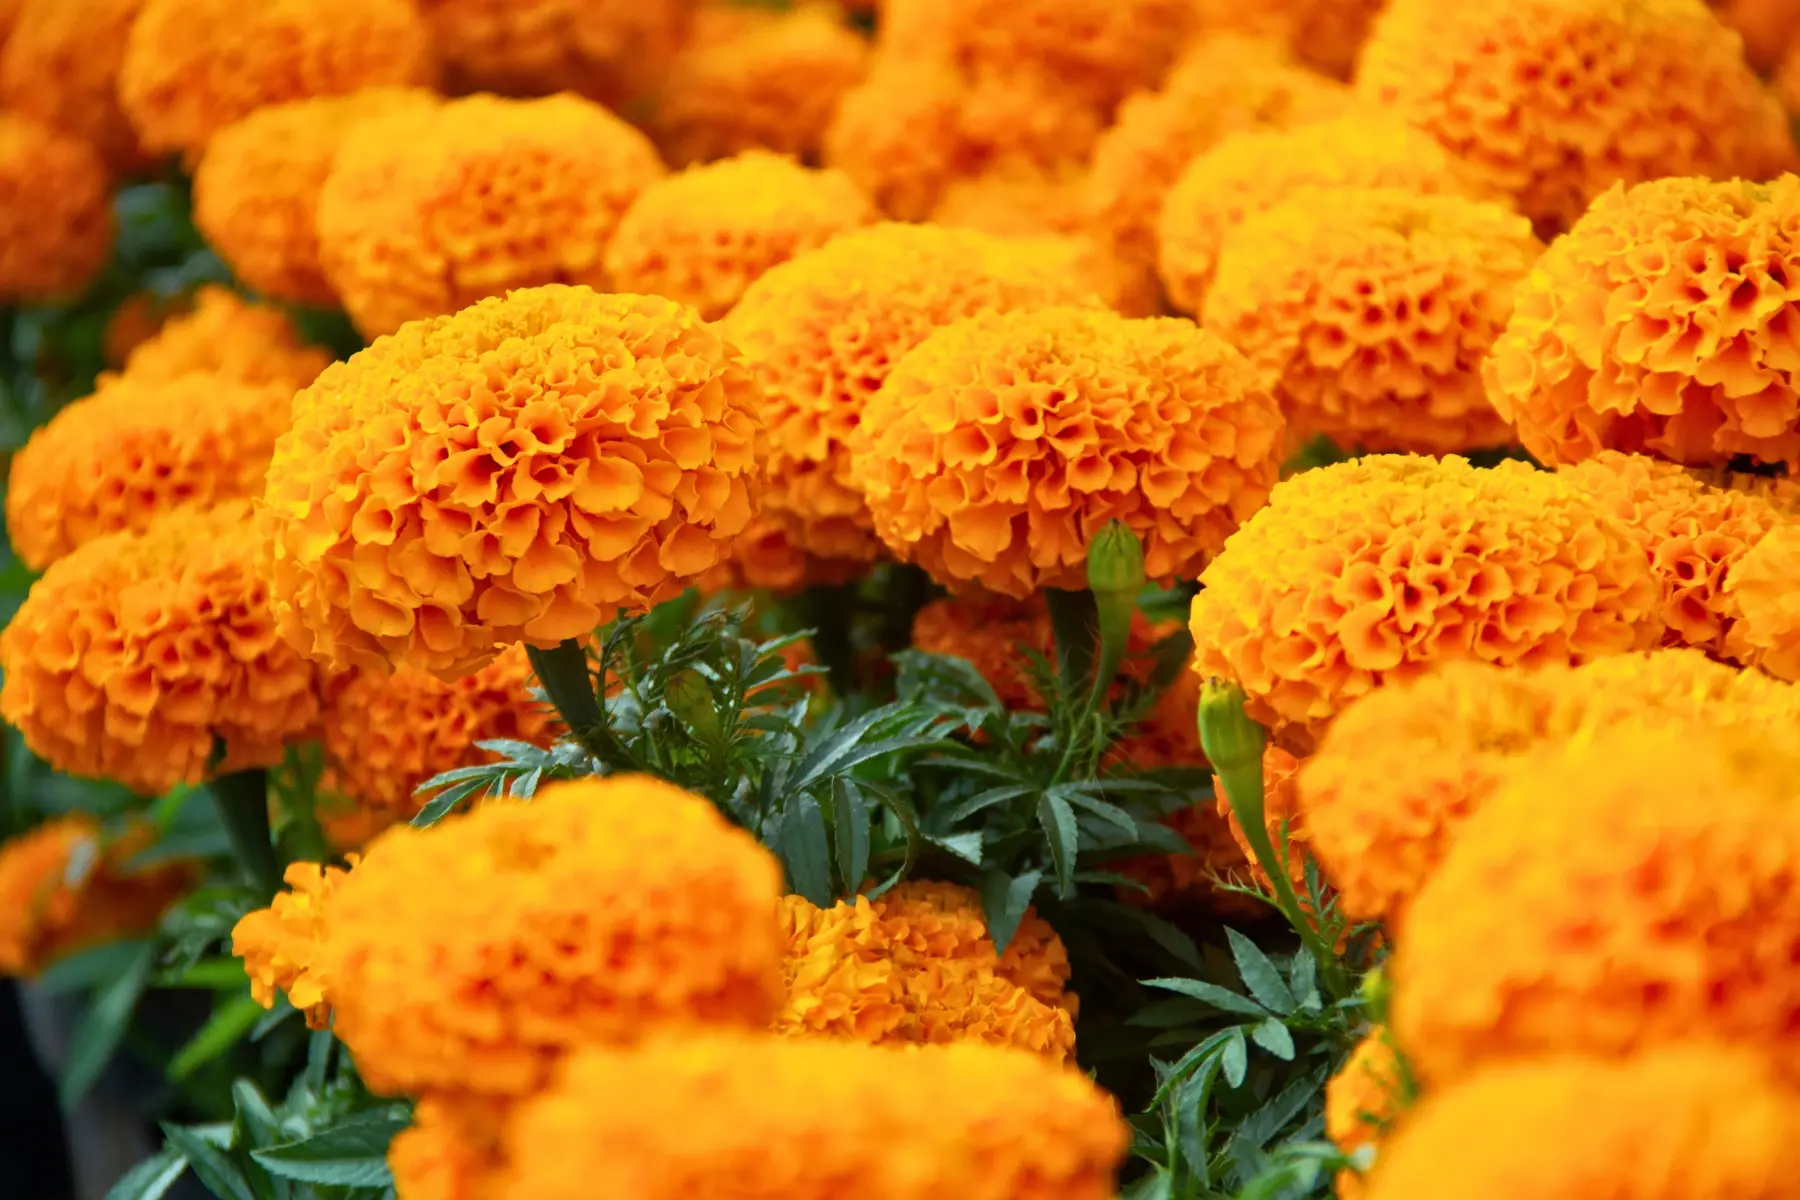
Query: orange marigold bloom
[193,67]
[1362,1101]
[256,193]
[917,965]
[1555,101]
[1662,323]
[823,331]
[1372,311]
[1251,171]
[760,80]
[1377,569]
[61,66]
[56,217]
[1632,890]
[63,890]
[520,471]
[1763,590]
[473,954]
[430,209]
[703,235]
[281,944]
[992,633]
[139,317]
[1695,527]
[1695,1123]
[764,558]
[454,1148]
[1768,28]
[138,653]
[736,1117]
[1327,35]
[227,336]
[1002,443]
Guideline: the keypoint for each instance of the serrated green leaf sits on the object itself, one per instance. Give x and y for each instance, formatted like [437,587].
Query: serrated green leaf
[1234,1059]
[223,1177]
[103,1027]
[1261,977]
[352,1153]
[1110,813]
[1210,993]
[955,814]
[1274,1037]
[1057,820]
[150,1179]
[805,850]
[850,818]
[1004,899]
[966,846]
[440,805]
[229,1024]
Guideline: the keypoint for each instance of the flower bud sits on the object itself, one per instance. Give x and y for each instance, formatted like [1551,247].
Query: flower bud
[1232,740]
[1115,562]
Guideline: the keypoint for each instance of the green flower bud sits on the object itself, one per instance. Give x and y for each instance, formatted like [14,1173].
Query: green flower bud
[1115,562]
[1232,741]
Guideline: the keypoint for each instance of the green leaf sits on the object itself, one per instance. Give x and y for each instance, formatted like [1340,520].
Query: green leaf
[228,1025]
[966,846]
[805,850]
[224,1178]
[1260,975]
[350,1154]
[1004,899]
[1057,820]
[1234,1060]
[1110,813]
[440,805]
[943,678]
[150,1179]
[216,974]
[1158,1185]
[955,814]
[103,1027]
[1274,1037]
[850,815]
[90,967]
[254,1116]
[1218,997]
[1303,979]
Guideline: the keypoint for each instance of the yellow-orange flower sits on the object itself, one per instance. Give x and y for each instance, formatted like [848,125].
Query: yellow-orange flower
[1380,568]
[473,954]
[1662,323]
[1325,34]
[1363,1100]
[755,79]
[63,889]
[138,654]
[917,966]
[764,557]
[432,208]
[224,335]
[993,634]
[193,67]
[1001,444]
[703,235]
[1763,590]
[138,318]
[281,944]
[56,218]
[454,1148]
[1768,28]
[520,471]
[256,193]
[823,331]
[737,1116]
[1252,170]
[1701,1123]
[1555,101]
[1695,527]
[60,66]
[1372,310]
[1634,890]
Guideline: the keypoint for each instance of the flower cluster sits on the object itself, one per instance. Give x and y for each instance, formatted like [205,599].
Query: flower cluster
[281,945]
[60,66]
[56,220]
[223,335]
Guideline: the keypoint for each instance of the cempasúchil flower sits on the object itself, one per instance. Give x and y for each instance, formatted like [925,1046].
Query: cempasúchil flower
[281,944]
[56,217]
[229,337]
[1763,590]
[60,66]
[1363,1100]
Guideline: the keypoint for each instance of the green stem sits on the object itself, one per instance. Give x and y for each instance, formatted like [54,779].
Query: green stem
[243,803]
[828,611]
[564,675]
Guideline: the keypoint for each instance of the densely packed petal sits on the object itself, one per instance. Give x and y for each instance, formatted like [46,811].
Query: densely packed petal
[281,944]
[56,218]
[61,66]
[224,335]
[1763,592]
[1327,35]
[1363,1100]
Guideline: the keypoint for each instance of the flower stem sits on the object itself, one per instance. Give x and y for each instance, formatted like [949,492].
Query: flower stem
[563,673]
[242,798]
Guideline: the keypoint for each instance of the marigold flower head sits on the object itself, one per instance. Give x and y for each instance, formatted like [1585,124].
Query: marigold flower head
[762,80]
[1695,1123]
[1362,1101]
[1002,443]
[121,458]
[1372,311]
[60,66]
[1695,527]
[1661,324]
[192,67]
[1763,590]
[431,208]
[1555,101]
[1252,170]
[765,558]
[137,653]
[1378,569]
[281,944]
[824,330]
[63,890]
[520,471]
[454,1149]
[56,217]
[1633,890]
[256,192]
[703,235]
[1326,35]
[138,318]
[472,954]
[741,1117]
[227,336]
[992,633]
[1768,28]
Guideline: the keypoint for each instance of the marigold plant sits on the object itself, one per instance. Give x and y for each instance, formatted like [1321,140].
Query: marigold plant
[430,209]
[227,336]
[56,217]
[764,1118]
[1377,569]
[582,454]
[704,235]
[1555,101]
[471,955]
[1763,590]
[281,945]
[60,66]
[1363,1100]
[1372,311]
[1660,324]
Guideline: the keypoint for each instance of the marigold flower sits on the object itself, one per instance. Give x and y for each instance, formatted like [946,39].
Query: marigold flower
[761,80]
[702,236]
[999,445]
[1252,170]
[430,209]
[256,193]
[1633,890]
[193,67]
[56,217]
[917,966]
[1372,311]
[139,317]
[1695,527]
[60,66]
[1695,1123]
[281,944]
[823,331]
[454,1148]
[227,336]
[62,891]
[1327,35]
[1362,1101]
[739,1117]
[1661,324]
[138,653]
[1763,590]
[520,471]
[1555,101]
[1768,28]
[992,633]
[472,954]
[1375,570]
[765,558]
